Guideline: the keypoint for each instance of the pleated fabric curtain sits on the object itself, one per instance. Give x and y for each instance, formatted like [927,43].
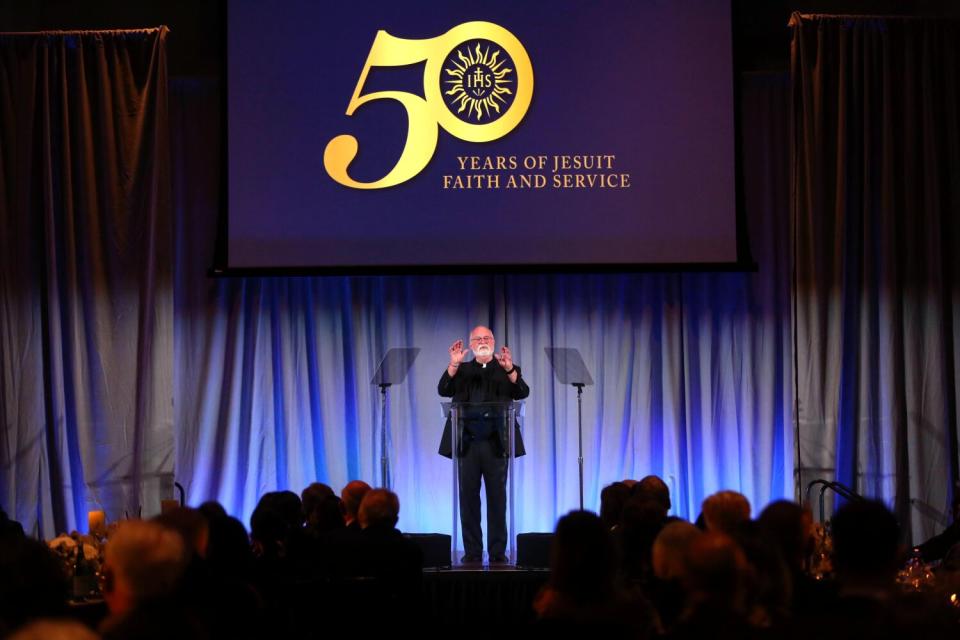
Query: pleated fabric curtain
[123,366]
[876,215]
[693,371]
[86,314]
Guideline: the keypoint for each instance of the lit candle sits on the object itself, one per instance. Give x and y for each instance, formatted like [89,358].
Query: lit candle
[96,522]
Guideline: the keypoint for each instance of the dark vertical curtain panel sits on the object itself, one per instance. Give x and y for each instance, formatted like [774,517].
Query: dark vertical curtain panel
[85,299]
[693,372]
[877,197]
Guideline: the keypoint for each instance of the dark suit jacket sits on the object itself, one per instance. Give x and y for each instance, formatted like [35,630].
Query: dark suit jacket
[476,383]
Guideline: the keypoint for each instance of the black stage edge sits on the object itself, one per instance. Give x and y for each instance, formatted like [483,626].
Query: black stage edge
[484,597]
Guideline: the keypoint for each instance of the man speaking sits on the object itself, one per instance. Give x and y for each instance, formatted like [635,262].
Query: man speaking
[489,377]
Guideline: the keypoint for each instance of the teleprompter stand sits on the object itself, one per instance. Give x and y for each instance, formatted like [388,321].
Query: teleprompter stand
[570,369]
[392,370]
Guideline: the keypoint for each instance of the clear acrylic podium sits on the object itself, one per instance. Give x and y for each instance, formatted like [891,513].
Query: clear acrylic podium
[505,418]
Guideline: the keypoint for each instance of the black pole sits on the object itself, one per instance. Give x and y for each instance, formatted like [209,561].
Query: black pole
[579,387]
[384,461]
[179,488]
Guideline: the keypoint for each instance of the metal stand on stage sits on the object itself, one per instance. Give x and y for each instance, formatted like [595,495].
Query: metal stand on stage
[392,370]
[570,369]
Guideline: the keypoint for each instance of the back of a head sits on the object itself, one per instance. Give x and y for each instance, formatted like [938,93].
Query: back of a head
[9,527]
[322,509]
[612,499]
[715,569]
[211,509]
[54,629]
[654,488]
[229,549]
[276,516]
[191,525]
[327,516]
[670,549]
[147,557]
[786,525]
[290,508]
[641,514]
[379,508]
[266,524]
[32,582]
[583,559]
[865,540]
[725,511]
[312,496]
[352,496]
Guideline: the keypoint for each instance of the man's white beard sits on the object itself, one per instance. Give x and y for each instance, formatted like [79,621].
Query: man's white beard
[483,350]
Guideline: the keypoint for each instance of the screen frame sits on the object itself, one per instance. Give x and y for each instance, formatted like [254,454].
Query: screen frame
[221,263]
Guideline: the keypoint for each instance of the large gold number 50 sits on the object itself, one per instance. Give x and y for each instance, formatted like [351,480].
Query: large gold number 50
[424,115]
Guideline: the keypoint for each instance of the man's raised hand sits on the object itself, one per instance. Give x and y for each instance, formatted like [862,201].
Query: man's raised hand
[457,353]
[505,359]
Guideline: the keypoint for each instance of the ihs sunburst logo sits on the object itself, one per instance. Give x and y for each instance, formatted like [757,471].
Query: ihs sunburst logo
[477,82]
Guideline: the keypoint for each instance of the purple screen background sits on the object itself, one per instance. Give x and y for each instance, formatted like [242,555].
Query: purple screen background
[651,82]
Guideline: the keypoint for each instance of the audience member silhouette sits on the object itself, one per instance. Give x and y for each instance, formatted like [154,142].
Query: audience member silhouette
[868,604]
[54,629]
[583,594]
[725,511]
[228,551]
[378,569]
[715,578]
[194,574]
[384,552]
[669,560]
[9,528]
[276,531]
[352,495]
[641,522]
[212,510]
[654,488]
[143,565]
[789,528]
[215,595]
[767,581]
[32,582]
[612,499]
[322,510]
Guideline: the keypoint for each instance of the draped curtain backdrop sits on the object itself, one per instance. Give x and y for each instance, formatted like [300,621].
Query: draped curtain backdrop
[692,371]
[86,318]
[876,144]
[122,363]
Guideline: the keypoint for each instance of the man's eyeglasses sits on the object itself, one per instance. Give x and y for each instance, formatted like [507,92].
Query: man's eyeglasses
[482,339]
